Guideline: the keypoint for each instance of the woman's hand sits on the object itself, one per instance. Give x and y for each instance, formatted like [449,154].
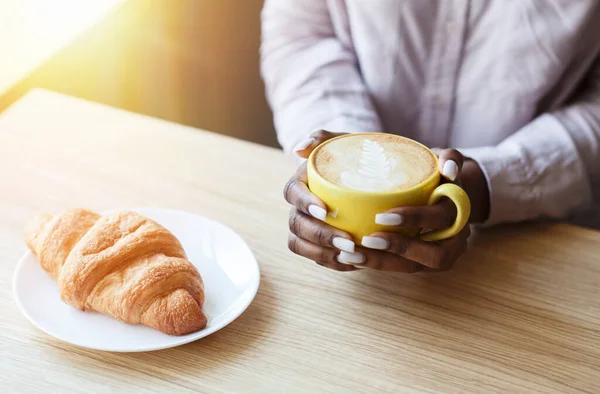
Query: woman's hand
[429,256]
[312,238]
[304,148]
[309,235]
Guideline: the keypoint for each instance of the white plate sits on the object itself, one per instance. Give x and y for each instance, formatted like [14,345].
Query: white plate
[228,268]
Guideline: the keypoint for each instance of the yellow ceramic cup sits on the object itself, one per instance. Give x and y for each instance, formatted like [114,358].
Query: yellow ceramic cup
[354,211]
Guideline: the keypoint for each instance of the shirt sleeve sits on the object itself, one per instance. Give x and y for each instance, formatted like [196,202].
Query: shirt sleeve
[311,77]
[549,168]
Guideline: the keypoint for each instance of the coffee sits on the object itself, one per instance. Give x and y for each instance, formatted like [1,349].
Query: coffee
[374,163]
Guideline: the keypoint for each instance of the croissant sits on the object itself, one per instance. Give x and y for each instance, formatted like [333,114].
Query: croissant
[122,265]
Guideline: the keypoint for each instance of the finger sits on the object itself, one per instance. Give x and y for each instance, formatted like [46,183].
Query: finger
[429,254]
[436,255]
[296,192]
[460,249]
[317,232]
[450,163]
[385,261]
[436,216]
[304,147]
[339,267]
[325,257]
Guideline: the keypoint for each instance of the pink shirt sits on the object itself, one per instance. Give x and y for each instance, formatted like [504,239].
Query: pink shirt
[513,84]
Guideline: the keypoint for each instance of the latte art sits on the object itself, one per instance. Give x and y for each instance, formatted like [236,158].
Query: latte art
[375,170]
[374,163]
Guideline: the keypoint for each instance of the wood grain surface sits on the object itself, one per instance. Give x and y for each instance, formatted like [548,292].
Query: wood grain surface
[519,313]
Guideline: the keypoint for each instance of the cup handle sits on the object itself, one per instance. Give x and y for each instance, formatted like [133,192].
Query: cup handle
[463,211]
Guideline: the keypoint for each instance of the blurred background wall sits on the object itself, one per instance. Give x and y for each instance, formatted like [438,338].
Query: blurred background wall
[194,62]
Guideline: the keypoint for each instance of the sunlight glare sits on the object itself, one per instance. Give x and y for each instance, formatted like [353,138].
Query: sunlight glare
[33,30]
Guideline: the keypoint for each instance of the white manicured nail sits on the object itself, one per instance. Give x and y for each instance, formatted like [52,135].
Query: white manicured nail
[450,170]
[351,258]
[304,144]
[343,244]
[389,219]
[317,212]
[374,243]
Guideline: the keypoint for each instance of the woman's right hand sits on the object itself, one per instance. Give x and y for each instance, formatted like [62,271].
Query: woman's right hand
[305,147]
[309,235]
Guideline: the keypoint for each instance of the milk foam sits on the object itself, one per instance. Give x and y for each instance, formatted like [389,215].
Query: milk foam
[374,162]
[375,172]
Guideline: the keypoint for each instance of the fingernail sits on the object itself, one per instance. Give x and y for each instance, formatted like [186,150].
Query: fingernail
[317,212]
[351,258]
[374,243]
[343,244]
[450,169]
[389,219]
[304,144]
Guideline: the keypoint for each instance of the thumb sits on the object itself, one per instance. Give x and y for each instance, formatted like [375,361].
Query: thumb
[450,164]
[306,146]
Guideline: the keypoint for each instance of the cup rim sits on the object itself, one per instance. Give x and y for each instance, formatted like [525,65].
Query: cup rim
[418,186]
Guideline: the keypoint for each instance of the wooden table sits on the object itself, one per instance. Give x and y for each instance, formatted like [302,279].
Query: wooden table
[520,313]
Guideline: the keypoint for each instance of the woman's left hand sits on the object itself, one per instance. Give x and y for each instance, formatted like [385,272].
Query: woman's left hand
[400,253]
[398,249]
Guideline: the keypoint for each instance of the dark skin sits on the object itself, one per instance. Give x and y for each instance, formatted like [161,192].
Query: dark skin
[314,239]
